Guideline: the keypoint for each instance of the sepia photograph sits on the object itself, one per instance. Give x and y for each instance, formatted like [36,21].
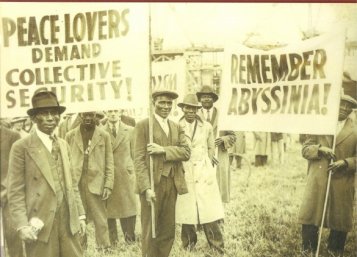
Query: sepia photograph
[178,129]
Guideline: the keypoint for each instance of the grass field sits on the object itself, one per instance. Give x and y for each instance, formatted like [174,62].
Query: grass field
[261,219]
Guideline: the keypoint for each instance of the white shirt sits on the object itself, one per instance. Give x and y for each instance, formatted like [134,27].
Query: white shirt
[164,123]
[46,140]
[340,125]
[207,114]
[190,127]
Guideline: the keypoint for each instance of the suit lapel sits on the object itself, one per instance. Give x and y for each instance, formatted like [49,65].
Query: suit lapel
[37,152]
[172,133]
[78,139]
[158,129]
[95,139]
[120,135]
[345,132]
[66,167]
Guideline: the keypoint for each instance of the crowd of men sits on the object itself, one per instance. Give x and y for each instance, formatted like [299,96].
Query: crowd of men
[90,167]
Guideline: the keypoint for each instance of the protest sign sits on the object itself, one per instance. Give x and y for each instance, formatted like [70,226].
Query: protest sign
[94,56]
[171,75]
[294,89]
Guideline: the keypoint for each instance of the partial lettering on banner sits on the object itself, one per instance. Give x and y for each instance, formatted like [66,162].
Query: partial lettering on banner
[92,56]
[293,89]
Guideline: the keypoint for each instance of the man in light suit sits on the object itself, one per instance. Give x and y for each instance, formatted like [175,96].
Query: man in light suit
[168,149]
[224,141]
[40,185]
[342,162]
[122,202]
[93,166]
[12,239]
[70,121]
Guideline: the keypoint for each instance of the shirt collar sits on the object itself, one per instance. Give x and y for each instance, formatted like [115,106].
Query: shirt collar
[45,139]
[160,119]
[44,136]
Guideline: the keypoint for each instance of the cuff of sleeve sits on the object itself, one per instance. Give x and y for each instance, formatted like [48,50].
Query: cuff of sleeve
[19,228]
[346,163]
[82,217]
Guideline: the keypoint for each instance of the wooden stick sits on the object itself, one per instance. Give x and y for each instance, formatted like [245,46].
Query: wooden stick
[151,138]
[325,204]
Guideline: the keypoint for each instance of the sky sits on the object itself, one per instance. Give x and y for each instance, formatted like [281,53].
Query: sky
[215,24]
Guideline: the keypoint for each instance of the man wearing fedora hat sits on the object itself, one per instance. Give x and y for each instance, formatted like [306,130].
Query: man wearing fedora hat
[342,162]
[168,149]
[41,186]
[224,141]
[203,204]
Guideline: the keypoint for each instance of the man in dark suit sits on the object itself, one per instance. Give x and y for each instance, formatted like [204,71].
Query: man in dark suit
[342,162]
[93,166]
[41,187]
[168,149]
[12,239]
[122,202]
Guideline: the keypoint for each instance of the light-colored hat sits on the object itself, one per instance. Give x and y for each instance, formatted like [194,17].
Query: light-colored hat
[190,100]
[349,99]
[207,90]
[18,119]
[44,99]
[100,114]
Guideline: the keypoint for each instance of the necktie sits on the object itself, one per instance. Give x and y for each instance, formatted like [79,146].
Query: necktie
[114,131]
[55,147]
[208,116]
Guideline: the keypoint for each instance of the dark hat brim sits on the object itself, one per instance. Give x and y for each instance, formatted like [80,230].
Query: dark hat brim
[186,104]
[168,93]
[214,96]
[33,111]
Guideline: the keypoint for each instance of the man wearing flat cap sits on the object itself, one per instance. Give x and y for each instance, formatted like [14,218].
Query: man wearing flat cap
[203,204]
[223,141]
[342,163]
[43,198]
[168,149]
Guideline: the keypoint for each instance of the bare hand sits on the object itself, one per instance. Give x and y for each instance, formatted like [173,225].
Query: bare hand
[327,152]
[214,161]
[340,164]
[82,225]
[106,193]
[218,141]
[150,196]
[27,234]
[155,149]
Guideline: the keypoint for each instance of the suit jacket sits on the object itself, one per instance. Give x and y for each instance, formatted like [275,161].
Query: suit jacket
[8,137]
[339,210]
[176,148]
[122,201]
[66,125]
[100,172]
[31,189]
